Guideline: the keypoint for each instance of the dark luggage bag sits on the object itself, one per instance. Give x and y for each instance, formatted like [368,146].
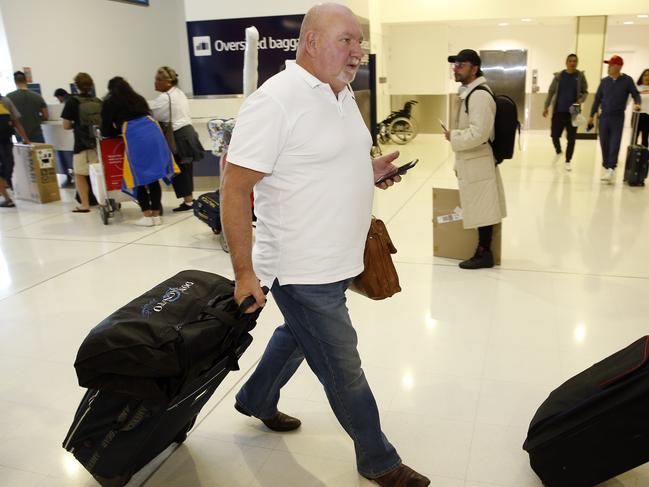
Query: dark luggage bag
[115,435]
[150,367]
[207,208]
[636,166]
[596,425]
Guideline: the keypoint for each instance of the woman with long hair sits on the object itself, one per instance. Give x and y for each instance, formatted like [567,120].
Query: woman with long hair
[643,122]
[147,156]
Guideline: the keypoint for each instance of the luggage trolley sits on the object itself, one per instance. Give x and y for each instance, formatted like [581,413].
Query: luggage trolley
[107,176]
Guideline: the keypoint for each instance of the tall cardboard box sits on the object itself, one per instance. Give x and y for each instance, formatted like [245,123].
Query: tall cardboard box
[450,239]
[34,177]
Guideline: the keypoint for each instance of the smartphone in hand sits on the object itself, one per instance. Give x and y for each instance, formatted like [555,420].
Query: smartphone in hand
[400,171]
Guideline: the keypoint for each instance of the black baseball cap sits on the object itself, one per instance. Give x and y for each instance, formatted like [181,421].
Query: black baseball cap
[466,55]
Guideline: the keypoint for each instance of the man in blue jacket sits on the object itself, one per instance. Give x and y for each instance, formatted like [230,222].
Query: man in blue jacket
[612,96]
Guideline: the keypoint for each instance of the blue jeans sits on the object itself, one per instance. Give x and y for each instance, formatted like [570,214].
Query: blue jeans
[318,328]
[610,137]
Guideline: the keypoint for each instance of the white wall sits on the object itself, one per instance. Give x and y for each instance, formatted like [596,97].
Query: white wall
[211,9]
[442,10]
[632,43]
[547,46]
[103,38]
[6,77]
[417,59]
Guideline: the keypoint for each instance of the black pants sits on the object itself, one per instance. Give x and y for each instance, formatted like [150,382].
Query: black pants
[560,121]
[150,196]
[6,160]
[485,235]
[183,182]
[643,129]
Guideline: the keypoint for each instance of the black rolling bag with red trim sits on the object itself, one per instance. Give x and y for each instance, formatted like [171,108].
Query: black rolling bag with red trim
[596,425]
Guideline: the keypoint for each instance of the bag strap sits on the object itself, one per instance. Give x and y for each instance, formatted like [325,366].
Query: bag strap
[481,88]
[170,117]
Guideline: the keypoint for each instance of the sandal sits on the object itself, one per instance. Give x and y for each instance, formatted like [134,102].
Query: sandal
[80,210]
[7,204]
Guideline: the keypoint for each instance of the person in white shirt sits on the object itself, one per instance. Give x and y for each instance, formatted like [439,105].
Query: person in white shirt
[188,147]
[301,143]
[643,121]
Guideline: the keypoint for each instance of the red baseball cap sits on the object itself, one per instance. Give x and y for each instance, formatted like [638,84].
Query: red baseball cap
[615,60]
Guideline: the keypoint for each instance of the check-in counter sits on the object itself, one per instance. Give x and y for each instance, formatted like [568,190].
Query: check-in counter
[55,135]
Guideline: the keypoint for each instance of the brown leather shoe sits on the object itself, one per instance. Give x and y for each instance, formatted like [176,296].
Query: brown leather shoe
[280,422]
[402,476]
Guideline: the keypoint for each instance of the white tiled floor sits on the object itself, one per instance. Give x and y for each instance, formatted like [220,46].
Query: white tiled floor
[458,361]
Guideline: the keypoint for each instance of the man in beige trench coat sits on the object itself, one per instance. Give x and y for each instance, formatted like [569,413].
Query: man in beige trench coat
[481,189]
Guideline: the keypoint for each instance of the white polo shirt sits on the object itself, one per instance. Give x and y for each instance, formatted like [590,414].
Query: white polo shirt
[314,205]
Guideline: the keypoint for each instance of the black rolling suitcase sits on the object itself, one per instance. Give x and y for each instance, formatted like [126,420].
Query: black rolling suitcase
[596,425]
[150,367]
[637,158]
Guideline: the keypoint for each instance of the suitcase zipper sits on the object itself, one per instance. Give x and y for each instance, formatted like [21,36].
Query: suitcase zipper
[76,426]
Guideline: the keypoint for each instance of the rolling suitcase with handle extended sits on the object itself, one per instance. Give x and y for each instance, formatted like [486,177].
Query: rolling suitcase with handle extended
[150,367]
[637,158]
[596,425]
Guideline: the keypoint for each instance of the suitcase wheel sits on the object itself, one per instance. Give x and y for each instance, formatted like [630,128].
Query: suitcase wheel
[104,212]
[182,435]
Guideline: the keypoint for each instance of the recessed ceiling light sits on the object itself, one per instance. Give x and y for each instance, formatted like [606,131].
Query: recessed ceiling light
[526,20]
[629,22]
[503,24]
[643,16]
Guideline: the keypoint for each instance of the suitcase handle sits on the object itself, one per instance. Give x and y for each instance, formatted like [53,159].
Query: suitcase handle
[250,300]
[635,123]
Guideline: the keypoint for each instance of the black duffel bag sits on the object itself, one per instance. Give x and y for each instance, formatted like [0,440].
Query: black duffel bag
[164,338]
[595,425]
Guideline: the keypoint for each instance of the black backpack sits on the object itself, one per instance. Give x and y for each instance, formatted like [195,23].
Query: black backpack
[505,125]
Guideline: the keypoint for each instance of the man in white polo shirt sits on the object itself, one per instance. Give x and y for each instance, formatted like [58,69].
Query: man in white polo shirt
[301,143]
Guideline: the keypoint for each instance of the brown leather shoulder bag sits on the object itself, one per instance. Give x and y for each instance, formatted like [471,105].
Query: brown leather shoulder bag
[379,279]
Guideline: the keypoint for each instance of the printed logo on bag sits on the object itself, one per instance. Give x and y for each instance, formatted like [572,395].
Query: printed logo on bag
[202,46]
[171,295]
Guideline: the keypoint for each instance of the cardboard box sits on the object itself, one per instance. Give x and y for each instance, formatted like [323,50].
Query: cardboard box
[34,177]
[450,239]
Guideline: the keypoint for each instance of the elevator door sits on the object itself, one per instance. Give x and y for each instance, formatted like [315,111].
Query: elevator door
[505,72]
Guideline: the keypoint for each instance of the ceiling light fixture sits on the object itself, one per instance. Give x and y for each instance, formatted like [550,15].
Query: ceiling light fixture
[643,16]
[526,20]
[503,24]
[629,22]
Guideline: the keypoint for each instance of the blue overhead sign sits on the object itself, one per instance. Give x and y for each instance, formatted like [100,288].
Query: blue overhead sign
[216,51]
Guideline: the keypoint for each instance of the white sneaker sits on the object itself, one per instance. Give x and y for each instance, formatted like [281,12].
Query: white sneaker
[608,174]
[568,166]
[157,220]
[145,221]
